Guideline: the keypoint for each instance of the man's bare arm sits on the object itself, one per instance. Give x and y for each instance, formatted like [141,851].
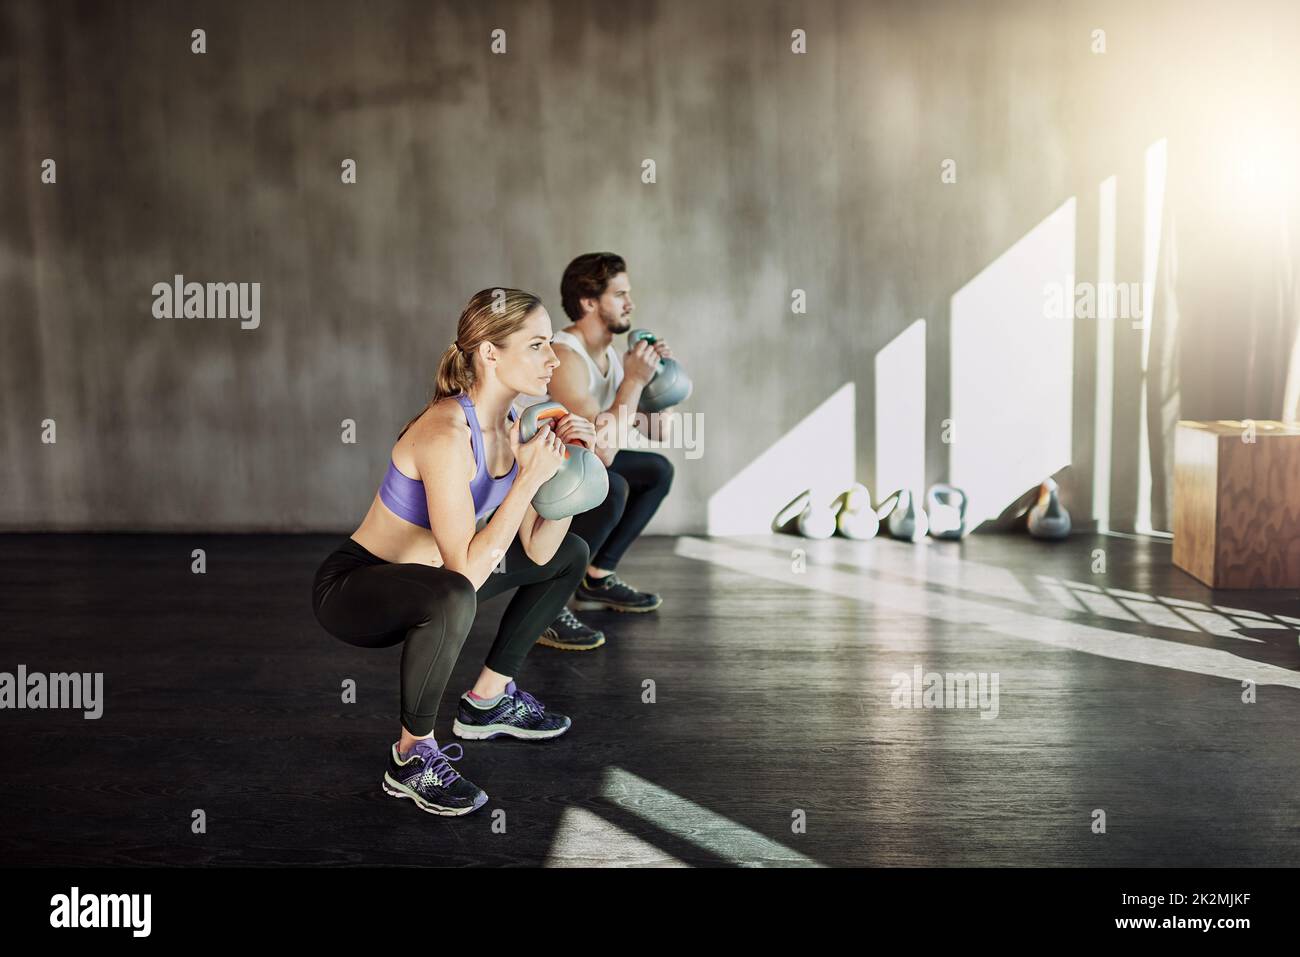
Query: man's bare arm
[569,387]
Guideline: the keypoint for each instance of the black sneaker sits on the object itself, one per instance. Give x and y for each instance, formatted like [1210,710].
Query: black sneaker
[514,713]
[429,780]
[569,634]
[613,593]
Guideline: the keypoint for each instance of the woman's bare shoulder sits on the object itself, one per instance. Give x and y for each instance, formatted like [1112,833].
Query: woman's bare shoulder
[444,418]
[441,430]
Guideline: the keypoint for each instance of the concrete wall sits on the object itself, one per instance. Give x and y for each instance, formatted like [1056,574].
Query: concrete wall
[775,171]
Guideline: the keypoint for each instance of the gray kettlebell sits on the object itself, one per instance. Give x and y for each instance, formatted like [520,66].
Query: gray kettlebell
[947,507]
[809,518]
[902,519]
[670,384]
[581,483]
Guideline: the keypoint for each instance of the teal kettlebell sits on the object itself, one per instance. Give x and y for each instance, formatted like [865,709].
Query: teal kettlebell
[581,483]
[670,385]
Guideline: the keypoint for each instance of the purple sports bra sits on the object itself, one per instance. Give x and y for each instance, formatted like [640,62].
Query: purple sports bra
[405,497]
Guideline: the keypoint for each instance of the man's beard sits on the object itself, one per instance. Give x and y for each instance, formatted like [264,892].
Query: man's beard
[618,323]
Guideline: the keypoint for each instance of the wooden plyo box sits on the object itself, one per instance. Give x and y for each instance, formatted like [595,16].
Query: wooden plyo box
[1237,503]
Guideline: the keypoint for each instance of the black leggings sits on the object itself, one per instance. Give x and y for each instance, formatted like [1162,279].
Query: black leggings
[638,482]
[366,601]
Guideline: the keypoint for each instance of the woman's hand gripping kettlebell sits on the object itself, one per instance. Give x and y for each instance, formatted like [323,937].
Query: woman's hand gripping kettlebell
[540,457]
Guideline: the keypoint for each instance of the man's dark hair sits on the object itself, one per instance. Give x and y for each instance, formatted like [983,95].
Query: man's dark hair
[586,278]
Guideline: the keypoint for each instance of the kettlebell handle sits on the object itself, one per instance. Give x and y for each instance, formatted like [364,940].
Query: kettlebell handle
[637,335]
[557,412]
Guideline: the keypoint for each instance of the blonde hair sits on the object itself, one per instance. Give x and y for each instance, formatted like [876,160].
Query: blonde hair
[492,315]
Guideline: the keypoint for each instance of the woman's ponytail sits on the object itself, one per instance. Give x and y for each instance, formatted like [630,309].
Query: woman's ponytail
[455,373]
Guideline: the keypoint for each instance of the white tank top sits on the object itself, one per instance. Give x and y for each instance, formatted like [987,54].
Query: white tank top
[602,388]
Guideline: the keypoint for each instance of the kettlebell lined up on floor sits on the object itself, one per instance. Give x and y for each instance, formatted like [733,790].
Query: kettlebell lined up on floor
[901,518]
[1048,518]
[855,517]
[947,507]
[805,516]
[852,515]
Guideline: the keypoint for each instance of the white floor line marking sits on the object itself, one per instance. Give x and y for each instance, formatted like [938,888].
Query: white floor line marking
[924,603]
[932,562]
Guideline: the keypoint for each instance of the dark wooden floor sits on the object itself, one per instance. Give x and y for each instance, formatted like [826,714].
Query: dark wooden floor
[1119,691]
